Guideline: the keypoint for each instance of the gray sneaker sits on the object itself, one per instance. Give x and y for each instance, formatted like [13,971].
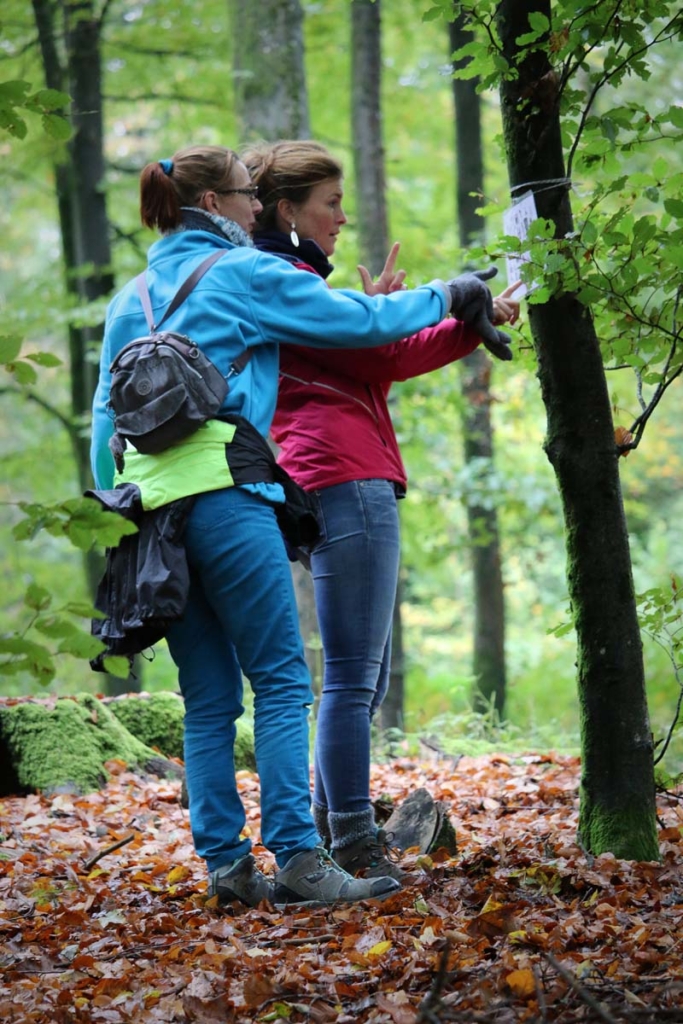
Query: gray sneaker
[370,857]
[313,879]
[241,880]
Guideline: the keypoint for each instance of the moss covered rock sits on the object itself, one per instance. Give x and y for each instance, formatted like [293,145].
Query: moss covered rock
[65,743]
[157,719]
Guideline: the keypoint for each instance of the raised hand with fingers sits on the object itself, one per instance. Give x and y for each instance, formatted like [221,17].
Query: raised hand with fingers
[505,308]
[390,280]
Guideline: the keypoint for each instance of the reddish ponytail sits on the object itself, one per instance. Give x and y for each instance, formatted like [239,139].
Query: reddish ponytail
[159,206]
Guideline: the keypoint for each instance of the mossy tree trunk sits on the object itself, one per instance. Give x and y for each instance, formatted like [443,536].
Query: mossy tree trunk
[69,36]
[617,791]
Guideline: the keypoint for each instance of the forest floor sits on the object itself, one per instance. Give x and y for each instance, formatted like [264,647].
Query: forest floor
[521,925]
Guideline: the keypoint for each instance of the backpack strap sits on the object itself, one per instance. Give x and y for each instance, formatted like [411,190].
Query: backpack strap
[182,293]
[237,365]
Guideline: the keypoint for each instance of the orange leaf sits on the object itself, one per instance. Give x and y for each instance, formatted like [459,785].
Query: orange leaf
[521,983]
[622,436]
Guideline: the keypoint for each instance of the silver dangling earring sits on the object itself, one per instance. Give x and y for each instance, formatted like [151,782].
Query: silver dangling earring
[293,236]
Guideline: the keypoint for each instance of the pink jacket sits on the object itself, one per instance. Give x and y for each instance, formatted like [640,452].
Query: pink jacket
[332,420]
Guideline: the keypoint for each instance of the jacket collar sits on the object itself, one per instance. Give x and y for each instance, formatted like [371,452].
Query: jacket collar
[307,251]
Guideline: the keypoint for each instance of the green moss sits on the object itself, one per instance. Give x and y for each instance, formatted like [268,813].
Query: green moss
[628,833]
[245,758]
[67,744]
[157,720]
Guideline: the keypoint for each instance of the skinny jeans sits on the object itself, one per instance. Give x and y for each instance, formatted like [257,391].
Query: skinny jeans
[355,574]
[240,618]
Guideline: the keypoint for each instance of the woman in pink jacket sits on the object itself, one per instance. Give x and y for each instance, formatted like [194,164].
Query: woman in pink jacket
[337,440]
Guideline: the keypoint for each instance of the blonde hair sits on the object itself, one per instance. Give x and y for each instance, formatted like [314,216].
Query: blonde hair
[287,169]
[168,185]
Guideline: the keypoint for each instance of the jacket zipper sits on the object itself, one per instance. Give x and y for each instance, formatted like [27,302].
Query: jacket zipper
[337,391]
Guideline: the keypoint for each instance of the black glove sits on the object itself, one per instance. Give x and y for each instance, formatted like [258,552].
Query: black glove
[472,302]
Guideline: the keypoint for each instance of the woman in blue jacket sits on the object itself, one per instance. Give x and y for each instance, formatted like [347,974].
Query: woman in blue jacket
[241,616]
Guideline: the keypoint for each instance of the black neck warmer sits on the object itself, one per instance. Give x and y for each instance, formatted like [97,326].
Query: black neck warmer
[307,251]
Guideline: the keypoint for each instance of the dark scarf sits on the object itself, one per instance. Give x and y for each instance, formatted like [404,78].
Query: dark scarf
[307,251]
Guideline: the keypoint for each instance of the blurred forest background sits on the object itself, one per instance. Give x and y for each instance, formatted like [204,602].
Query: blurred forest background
[168,81]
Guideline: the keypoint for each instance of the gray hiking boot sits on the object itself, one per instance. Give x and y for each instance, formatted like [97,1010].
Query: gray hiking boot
[370,857]
[241,880]
[313,879]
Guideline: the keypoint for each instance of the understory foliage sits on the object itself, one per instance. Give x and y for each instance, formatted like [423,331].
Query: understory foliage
[105,917]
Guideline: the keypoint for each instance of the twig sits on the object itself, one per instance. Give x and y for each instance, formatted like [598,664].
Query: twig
[574,983]
[425,1011]
[109,849]
[301,941]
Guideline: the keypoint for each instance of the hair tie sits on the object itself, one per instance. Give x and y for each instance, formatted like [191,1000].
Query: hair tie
[166,166]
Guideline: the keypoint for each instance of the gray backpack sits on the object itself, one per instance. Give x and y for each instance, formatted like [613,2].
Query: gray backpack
[163,387]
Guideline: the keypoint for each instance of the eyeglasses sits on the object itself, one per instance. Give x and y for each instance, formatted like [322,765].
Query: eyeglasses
[251,191]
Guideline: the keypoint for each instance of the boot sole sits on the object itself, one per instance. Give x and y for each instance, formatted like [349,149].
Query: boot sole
[279,904]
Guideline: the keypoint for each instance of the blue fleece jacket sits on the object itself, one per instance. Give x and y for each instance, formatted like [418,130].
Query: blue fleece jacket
[249,299]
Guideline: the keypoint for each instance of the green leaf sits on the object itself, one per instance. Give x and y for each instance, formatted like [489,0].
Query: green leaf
[55,627]
[539,22]
[119,667]
[57,127]
[80,645]
[51,99]
[674,207]
[33,658]
[37,597]
[81,608]
[14,91]
[44,359]
[24,372]
[10,347]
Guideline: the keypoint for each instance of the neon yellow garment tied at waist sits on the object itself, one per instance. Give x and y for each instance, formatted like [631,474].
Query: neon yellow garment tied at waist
[192,466]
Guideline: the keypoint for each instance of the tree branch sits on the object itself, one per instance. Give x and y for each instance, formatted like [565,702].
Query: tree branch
[605,78]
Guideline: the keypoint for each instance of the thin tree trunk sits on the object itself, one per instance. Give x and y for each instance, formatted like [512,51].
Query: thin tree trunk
[373,236]
[392,714]
[366,118]
[489,604]
[617,812]
[271,103]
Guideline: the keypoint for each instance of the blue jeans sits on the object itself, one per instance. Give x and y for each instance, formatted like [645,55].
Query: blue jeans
[355,574]
[242,617]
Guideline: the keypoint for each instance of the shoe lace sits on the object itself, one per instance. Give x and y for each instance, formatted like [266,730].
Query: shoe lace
[326,861]
[380,846]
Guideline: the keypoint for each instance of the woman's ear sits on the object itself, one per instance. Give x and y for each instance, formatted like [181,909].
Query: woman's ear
[286,214]
[209,202]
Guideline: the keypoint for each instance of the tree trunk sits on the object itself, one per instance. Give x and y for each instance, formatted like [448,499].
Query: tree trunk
[488,663]
[366,124]
[617,790]
[392,710]
[84,225]
[268,68]
[373,234]
[271,102]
